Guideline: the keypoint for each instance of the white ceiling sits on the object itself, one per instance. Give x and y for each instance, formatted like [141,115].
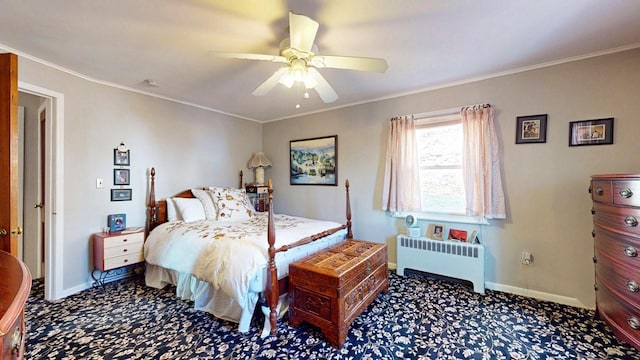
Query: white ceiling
[427,43]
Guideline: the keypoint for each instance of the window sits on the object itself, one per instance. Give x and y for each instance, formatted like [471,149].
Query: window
[440,147]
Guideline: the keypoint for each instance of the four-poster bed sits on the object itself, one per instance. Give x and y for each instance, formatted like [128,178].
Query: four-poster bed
[204,259]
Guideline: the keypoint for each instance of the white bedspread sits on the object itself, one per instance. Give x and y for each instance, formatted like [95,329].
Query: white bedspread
[224,253]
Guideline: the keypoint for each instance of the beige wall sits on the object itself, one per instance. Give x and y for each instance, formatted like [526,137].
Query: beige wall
[188,146]
[546,184]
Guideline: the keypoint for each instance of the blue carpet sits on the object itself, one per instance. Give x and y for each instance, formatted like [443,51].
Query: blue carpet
[420,318]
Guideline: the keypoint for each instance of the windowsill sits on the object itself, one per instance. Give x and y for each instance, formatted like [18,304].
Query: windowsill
[462,219]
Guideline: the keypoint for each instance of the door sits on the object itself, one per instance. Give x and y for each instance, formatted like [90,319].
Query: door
[41,193]
[9,229]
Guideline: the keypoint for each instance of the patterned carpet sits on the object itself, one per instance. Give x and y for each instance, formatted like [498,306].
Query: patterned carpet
[419,318]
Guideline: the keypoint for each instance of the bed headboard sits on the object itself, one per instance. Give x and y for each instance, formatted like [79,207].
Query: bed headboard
[157,210]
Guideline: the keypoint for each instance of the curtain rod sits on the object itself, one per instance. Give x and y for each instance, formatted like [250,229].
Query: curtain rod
[450,111]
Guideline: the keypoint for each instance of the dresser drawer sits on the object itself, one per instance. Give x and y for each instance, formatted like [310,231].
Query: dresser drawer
[122,250]
[623,318]
[617,219]
[620,279]
[622,249]
[626,193]
[119,240]
[119,261]
[601,191]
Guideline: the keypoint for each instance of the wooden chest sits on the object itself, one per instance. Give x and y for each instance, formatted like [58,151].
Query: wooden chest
[616,232]
[329,289]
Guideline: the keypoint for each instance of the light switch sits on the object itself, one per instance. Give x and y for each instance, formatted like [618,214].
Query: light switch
[99,183]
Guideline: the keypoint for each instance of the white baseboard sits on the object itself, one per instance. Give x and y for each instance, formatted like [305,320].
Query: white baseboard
[540,295]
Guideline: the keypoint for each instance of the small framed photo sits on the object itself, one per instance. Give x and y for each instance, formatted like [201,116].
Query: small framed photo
[117,222]
[458,235]
[531,129]
[121,157]
[591,132]
[120,194]
[435,231]
[120,176]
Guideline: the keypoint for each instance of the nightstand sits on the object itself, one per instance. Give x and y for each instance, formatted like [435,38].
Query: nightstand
[259,196]
[112,252]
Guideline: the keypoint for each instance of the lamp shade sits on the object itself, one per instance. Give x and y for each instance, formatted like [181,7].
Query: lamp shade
[258,160]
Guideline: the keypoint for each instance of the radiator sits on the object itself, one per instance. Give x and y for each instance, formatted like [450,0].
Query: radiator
[447,258]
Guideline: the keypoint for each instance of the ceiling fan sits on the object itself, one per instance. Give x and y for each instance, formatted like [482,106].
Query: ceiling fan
[299,53]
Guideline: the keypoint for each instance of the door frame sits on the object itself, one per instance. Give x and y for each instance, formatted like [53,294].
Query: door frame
[54,190]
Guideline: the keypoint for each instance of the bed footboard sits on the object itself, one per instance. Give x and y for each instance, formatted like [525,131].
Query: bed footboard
[273,287]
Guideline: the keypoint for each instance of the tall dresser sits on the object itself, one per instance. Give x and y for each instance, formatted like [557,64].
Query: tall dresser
[616,233]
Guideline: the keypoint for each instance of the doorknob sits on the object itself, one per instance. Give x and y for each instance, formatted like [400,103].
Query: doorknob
[38,205]
[16,231]
[3,232]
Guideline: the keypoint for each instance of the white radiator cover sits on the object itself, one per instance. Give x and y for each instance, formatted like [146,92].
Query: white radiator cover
[448,258]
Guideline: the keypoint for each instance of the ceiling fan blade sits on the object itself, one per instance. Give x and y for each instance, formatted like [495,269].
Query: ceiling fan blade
[326,92]
[232,55]
[271,82]
[302,32]
[351,63]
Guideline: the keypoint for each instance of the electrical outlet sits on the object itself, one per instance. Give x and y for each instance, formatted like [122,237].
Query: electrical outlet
[527,258]
[99,183]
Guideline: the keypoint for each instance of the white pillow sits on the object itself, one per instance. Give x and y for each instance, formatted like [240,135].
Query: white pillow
[190,209]
[206,199]
[232,210]
[172,214]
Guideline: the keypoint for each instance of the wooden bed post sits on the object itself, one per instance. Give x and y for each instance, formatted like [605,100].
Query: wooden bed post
[349,232]
[240,184]
[152,210]
[272,282]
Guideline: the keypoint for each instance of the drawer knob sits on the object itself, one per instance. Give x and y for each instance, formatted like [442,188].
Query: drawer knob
[632,286]
[626,193]
[593,211]
[125,250]
[630,221]
[126,260]
[599,191]
[634,322]
[595,260]
[593,233]
[630,251]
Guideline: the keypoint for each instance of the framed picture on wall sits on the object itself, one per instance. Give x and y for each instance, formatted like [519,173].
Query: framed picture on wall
[591,132]
[314,161]
[531,129]
[120,194]
[120,176]
[121,157]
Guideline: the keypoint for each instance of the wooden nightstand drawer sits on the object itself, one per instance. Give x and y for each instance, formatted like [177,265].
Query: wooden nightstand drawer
[114,251]
[124,260]
[124,239]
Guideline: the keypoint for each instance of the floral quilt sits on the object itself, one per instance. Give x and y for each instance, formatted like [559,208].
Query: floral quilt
[227,254]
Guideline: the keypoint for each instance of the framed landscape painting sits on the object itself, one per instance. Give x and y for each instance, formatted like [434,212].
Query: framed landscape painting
[314,161]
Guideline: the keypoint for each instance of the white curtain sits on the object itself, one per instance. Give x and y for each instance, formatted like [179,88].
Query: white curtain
[481,163]
[401,191]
